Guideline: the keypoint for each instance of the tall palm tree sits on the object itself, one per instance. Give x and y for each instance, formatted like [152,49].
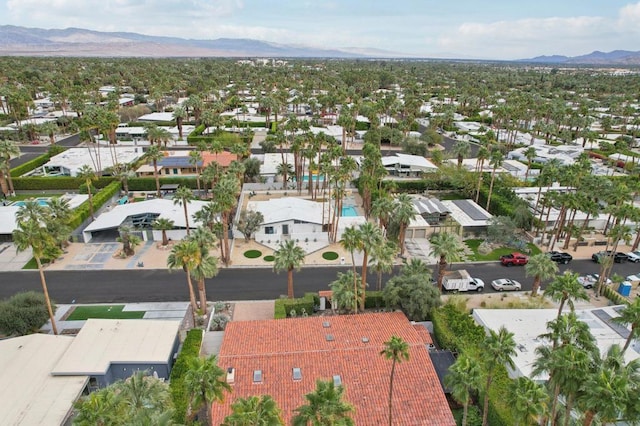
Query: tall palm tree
[630,315]
[498,350]
[495,161]
[528,401]
[541,267]
[288,257]
[164,225]
[448,248]
[206,383]
[254,411]
[404,213]
[370,237]
[88,175]
[461,150]
[31,234]
[57,220]
[207,266]
[179,114]
[8,150]
[351,242]
[183,196]
[154,154]
[123,172]
[382,257]
[186,255]
[530,154]
[397,350]
[325,406]
[224,200]
[382,208]
[464,376]
[195,159]
[565,288]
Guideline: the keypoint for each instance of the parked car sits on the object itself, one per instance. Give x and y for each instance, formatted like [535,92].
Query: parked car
[618,257]
[506,284]
[560,257]
[634,256]
[590,280]
[514,258]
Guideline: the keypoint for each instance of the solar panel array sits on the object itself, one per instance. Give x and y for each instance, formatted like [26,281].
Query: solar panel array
[471,210]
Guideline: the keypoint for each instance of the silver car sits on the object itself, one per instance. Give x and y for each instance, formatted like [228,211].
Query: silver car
[506,284]
[634,256]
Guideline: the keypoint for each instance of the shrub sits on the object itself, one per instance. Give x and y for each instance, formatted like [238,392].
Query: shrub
[373,299]
[36,162]
[23,313]
[284,307]
[57,182]
[190,350]
[219,322]
[329,255]
[82,212]
[252,254]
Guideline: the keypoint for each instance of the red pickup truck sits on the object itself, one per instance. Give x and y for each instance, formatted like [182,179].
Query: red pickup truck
[514,258]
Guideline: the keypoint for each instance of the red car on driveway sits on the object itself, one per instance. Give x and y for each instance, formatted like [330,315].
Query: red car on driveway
[514,258]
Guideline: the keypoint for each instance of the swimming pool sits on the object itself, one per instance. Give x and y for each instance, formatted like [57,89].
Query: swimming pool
[349,211]
[41,201]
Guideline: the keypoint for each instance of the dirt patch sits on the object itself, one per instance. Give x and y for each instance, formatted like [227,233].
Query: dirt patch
[253,310]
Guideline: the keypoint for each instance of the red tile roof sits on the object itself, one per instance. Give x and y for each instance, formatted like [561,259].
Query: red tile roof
[223,158]
[278,346]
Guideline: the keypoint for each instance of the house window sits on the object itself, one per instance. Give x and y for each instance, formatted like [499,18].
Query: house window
[268,230]
[175,171]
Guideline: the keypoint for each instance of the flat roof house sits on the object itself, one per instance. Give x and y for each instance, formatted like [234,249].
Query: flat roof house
[284,358]
[68,163]
[407,166]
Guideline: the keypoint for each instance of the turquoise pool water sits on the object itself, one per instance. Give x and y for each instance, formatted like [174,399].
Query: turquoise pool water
[316,178]
[349,211]
[41,201]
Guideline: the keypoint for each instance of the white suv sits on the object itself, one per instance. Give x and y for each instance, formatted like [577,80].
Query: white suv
[634,256]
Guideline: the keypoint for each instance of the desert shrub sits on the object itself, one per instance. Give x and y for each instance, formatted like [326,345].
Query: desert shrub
[23,313]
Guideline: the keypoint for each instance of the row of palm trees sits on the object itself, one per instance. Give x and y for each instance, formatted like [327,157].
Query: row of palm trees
[591,387]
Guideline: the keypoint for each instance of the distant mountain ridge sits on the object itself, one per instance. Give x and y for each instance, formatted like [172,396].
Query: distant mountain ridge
[22,41]
[616,57]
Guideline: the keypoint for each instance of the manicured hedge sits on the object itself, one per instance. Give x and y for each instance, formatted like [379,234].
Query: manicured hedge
[614,296]
[286,305]
[83,211]
[29,165]
[190,350]
[57,182]
[149,183]
[373,299]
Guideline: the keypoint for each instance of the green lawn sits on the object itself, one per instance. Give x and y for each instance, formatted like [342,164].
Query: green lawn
[495,255]
[81,313]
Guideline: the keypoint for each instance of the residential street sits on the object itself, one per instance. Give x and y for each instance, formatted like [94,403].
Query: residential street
[144,285]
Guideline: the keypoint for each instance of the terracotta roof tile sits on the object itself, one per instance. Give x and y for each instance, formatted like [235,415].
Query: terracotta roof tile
[277,346]
[223,158]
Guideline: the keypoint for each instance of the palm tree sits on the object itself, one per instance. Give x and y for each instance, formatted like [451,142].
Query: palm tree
[206,383]
[495,161]
[32,235]
[463,377]
[128,239]
[179,114]
[207,266]
[8,149]
[123,173]
[403,213]
[382,208]
[461,150]
[448,248]
[183,196]
[541,267]
[288,257]
[57,220]
[370,237]
[528,400]
[630,315]
[397,350]
[351,242]
[565,288]
[195,158]
[164,225]
[224,200]
[254,411]
[498,350]
[325,406]
[87,174]
[382,257]
[154,155]
[186,255]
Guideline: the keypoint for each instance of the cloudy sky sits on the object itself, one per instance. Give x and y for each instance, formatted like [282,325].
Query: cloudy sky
[493,29]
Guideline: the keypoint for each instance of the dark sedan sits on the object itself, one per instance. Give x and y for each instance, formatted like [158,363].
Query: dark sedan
[560,257]
[618,257]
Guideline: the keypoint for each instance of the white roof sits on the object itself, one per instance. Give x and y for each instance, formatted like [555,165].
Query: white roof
[102,342]
[467,213]
[74,158]
[29,394]
[528,324]
[271,161]
[8,219]
[288,208]
[415,162]
[157,116]
[165,208]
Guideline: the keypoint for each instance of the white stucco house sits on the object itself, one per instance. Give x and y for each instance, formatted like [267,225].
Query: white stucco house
[405,165]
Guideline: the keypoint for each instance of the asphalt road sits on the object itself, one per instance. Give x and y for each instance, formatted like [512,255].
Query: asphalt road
[142,285]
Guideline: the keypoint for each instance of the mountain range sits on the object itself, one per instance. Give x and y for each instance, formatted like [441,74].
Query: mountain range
[23,41]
